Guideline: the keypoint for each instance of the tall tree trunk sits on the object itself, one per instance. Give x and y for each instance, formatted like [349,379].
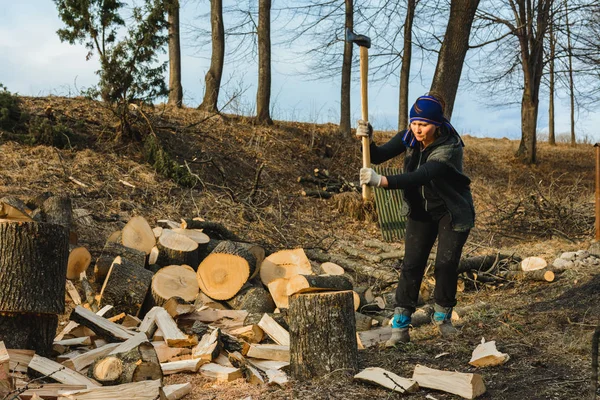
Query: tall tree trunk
[551,133]
[175,89]
[405,68]
[453,51]
[529,112]
[345,123]
[571,81]
[214,74]
[263,94]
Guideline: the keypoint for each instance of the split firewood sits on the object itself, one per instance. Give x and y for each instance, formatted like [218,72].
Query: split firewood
[20,359]
[284,264]
[177,306]
[224,272]
[112,250]
[251,373]
[231,343]
[387,379]
[225,319]
[265,365]
[138,235]
[79,260]
[174,280]
[329,268]
[171,333]
[280,318]
[220,373]
[223,360]
[103,327]
[175,367]
[176,249]
[157,230]
[134,342]
[254,299]
[82,361]
[317,283]
[486,355]
[363,322]
[147,390]
[62,346]
[209,346]
[5,378]
[73,293]
[59,373]
[125,286]
[34,391]
[153,257]
[177,391]
[278,290]
[277,377]
[249,333]
[13,209]
[468,386]
[373,337]
[72,325]
[138,364]
[274,330]
[166,353]
[203,300]
[533,264]
[117,318]
[273,352]
[536,275]
[131,321]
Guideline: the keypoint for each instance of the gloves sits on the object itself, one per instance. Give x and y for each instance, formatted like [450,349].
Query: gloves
[369,177]
[364,129]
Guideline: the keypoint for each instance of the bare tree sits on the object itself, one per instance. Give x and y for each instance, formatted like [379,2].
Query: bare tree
[405,68]
[453,51]
[570,71]
[263,94]
[213,76]
[345,123]
[175,88]
[551,62]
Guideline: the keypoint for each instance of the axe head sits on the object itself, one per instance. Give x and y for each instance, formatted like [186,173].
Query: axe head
[360,40]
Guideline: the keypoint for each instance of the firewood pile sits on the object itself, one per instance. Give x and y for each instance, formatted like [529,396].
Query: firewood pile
[323,184]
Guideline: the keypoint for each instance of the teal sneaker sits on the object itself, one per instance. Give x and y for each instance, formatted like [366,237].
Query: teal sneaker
[442,318]
[400,325]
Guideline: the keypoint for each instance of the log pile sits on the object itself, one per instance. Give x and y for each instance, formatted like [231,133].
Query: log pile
[322,184]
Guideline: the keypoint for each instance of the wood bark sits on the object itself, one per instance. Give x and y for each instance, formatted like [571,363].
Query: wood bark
[29,331]
[125,287]
[101,326]
[112,250]
[405,67]
[176,249]
[213,76]
[33,267]
[453,51]
[57,210]
[175,88]
[318,283]
[254,299]
[551,89]
[138,364]
[322,334]
[214,230]
[346,84]
[263,94]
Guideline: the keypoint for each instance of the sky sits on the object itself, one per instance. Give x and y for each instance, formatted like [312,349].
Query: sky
[34,62]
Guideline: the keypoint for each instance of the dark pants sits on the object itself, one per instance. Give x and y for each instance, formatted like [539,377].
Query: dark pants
[420,236]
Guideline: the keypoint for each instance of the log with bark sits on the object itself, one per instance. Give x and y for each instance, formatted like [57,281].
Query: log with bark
[542,275]
[224,272]
[78,262]
[174,280]
[284,264]
[12,209]
[103,327]
[254,299]
[313,317]
[318,283]
[176,249]
[214,230]
[125,286]
[138,235]
[278,291]
[485,262]
[138,364]
[112,250]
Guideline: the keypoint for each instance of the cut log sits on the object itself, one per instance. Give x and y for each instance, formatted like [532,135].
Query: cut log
[209,346]
[175,367]
[103,327]
[483,263]
[112,250]
[251,374]
[284,264]
[33,266]
[220,373]
[318,283]
[195,234]
[177,306]
[168,224]
[265,365]
[79,260]
[131,321]
[176,249]
[166,353]
[329,268]
[148,390]
[138,235]
[274,330]
[5,378]
[363,322]
[278,290]
[224,272]
[73,293]
[203,300]
[272,352]
[62,346]
[35,331]
[536,275]
[387,379]
[277,377]
[314,316]
[177,391]
[138,364]
[468,386]
[174,280]
[486,355]
[213,229]
[373,337]
[13,209]
[59,373]
[125,286]
[171,333]
[249,333]
[533,264]
[82,361]
[57,210]
[153,257]
[254,299]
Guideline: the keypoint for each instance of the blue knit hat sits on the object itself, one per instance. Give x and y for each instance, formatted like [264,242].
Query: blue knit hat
[427,109]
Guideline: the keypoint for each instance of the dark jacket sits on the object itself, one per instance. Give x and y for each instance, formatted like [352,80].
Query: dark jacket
[433,178]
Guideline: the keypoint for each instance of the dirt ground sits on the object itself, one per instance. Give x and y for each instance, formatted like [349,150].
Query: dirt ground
[246,179]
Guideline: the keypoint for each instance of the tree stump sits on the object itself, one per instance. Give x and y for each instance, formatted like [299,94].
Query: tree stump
[33,267]
[322,334]
[125,286]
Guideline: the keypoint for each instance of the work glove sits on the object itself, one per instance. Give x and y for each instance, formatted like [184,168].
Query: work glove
[369,177]
[364,129]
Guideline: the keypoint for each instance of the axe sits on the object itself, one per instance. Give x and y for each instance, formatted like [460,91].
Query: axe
[363,43]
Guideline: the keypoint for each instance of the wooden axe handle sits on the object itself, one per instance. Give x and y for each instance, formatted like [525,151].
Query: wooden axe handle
[367,192]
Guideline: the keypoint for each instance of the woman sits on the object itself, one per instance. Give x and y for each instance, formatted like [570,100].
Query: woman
[440,206]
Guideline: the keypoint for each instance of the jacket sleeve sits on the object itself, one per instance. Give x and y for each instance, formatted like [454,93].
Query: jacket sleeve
[386,151]
[421,176]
